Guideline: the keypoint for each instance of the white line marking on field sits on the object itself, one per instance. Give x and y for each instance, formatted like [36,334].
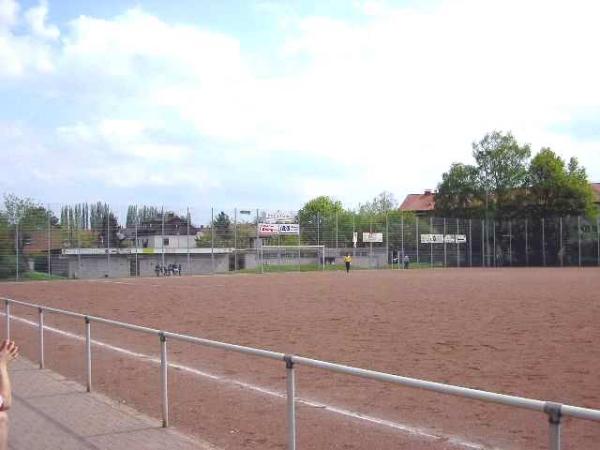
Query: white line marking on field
[414,431]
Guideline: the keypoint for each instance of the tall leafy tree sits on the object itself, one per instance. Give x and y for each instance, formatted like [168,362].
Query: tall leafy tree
[502,169]
[384,202]
[315,215]
[460,193]
[558,189]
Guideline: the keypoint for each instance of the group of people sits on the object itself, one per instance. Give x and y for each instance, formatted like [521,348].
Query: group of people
[167,271]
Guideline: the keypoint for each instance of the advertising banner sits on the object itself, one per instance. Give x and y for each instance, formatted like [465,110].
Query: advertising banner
[278,229]
[441,238]
[372,237]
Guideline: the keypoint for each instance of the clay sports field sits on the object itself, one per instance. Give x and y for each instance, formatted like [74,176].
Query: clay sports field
[527,332]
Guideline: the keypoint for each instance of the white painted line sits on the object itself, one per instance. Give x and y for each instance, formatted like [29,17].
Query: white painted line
[408,429]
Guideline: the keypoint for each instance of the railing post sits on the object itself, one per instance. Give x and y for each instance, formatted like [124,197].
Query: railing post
[291,401]
[88,353]
[7,316]
[554,416]
[164,380]
[41,330]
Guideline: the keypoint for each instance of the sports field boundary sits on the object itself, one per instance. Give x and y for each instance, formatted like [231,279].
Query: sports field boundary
[554,411]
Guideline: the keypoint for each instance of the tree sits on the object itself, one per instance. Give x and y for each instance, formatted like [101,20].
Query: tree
[558,190]
[314,213]
[460,193]
[222,225]
[381,204]
[502,169]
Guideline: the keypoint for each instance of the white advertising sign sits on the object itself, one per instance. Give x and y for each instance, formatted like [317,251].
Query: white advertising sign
[432,238]
[277,229]
[441,238]
[372,237]
[280,217]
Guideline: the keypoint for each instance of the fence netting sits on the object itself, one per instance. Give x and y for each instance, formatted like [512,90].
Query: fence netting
[98,241]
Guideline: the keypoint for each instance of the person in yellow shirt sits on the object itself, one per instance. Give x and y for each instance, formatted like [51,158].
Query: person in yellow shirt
[347,261]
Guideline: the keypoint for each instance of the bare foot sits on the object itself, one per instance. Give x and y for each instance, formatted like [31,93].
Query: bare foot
[8,352]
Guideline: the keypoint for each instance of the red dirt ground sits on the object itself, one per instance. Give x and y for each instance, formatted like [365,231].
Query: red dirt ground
[526,332]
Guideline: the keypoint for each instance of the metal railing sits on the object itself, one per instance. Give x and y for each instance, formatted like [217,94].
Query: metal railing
[554,411]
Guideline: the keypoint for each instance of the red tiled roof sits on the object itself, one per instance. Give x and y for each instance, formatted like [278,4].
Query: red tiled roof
[418,202]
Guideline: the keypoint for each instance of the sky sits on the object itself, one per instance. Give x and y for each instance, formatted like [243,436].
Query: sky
[268,104]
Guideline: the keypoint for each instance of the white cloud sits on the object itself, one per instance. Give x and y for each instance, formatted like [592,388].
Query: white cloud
[36,18]
[8,13]
[393,100]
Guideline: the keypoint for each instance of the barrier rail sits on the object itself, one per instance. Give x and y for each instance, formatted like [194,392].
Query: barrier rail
[554,411]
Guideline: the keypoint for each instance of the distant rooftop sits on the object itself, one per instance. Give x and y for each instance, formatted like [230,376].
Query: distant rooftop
[419,202]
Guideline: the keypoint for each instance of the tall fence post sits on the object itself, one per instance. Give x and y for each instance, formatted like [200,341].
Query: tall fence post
[445,253]
[162,236]
[457,244]
[554,412]
[482,246]
[387,241]
[189,256]
[470,242]
[107,241]
[494,243]
[7,318]
[235,263]
[402,239]
[526,243]
[49,268]
[164,380]
[337,246]
[579,239]
[291,401]
[17,249]
[510,258]
[431,241]
[417,236]
[212,239]
[137,260]
[41,335]
[88,353]
[318,229]
[561,251]
[543,242]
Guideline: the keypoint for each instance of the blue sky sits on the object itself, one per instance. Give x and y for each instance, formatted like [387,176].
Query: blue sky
[270,103]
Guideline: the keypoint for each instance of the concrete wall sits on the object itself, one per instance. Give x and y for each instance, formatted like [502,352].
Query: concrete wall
[122,266]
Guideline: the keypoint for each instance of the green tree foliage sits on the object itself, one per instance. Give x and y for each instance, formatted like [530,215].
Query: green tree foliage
[502,168]
[139,214]
[503,183]
[381,204]
[223,228]
[460,193]
[314,215]
[7,248]
[557,189]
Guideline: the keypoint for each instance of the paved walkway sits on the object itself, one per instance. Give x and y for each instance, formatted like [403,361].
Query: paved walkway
[50,412]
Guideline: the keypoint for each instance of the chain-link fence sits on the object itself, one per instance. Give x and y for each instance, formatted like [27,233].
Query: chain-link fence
[98,241]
